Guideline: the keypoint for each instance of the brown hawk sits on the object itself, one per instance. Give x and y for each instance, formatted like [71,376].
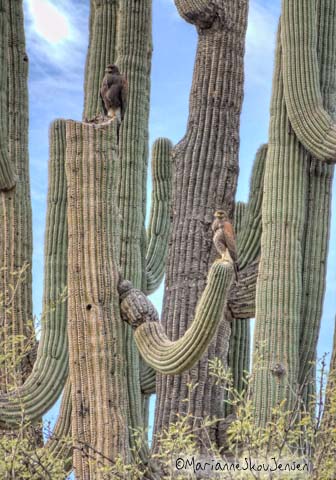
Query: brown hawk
[224,239]
[114,92]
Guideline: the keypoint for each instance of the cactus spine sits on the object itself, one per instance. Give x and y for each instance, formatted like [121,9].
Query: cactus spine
[291,178]
[206,162]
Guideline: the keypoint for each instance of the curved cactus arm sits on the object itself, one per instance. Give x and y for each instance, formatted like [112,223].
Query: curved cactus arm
[147,380]
[58,443]
[7,172]
[44,385]
[165,356]
[159,224]
[312,124]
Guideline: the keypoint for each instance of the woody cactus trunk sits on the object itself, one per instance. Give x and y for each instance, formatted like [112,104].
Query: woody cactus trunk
[296,206]
[206,170]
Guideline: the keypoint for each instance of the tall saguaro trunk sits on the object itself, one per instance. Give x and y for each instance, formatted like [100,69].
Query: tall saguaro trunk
[15,205]
[296,205]
[97,351]
[206,169]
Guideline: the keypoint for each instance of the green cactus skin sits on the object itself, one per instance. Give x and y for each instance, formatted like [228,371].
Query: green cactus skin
[248,237]
[7,172]
[311,122]
[239,216]
[279,285]
[206,169]
[15,205]
[147,379]
[238,355]
[171,358]
[291,243]
[241,302]
[134,40]
[159,224]
[44,385]
[57,442]
[96,340]
[318,209]
[102,51]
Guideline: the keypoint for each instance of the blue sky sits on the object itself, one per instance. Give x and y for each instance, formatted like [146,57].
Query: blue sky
[56,33]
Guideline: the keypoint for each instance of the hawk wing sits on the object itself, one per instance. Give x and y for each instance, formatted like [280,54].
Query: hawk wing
[124,96]
[103,91]
[230,240]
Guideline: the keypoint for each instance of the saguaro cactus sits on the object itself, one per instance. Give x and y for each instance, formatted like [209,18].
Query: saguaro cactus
[206,162]
[296,192]
[7,167]
[96,340]
[15,209]
[44,385]
[241,301]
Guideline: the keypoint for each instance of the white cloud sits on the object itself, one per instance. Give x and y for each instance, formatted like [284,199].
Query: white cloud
[49,21]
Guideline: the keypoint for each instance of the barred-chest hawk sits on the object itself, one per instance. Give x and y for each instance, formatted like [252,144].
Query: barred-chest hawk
[224,239]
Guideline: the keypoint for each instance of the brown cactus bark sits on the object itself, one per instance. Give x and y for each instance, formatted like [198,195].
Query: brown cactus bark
[206,169]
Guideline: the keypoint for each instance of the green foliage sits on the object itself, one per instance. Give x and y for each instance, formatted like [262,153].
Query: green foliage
[290,444]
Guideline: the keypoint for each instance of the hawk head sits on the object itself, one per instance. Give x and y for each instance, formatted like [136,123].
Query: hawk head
[220,218]
[112,69]
[221,215]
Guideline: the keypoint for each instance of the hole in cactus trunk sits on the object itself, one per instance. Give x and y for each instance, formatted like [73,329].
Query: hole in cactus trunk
[88,307]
